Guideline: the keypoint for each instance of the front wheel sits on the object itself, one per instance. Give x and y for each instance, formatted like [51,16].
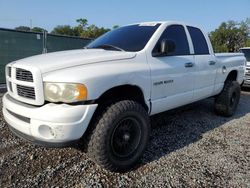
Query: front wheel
[120,136]
[227,101]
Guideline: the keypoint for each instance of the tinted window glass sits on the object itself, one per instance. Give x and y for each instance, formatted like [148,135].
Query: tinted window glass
[129,38]
[246,53]
[199,41]
[177,34]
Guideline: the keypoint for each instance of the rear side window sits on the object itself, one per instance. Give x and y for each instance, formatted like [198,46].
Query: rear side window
[177,34]
[246,53]
[199,41]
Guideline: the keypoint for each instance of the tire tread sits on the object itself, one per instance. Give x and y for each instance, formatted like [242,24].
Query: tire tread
[96,147]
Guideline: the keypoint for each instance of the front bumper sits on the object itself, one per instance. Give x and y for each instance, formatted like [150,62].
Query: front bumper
[246,82]
[51,124]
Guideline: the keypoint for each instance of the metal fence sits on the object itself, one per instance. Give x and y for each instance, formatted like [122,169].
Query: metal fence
[16,45]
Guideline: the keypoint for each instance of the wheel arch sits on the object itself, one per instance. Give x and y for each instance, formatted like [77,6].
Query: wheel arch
[124,92]
[232,76]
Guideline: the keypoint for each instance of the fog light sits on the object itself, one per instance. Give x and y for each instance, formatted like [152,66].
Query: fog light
[46,131]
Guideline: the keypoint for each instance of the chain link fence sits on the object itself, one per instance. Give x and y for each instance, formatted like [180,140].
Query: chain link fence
[16,45]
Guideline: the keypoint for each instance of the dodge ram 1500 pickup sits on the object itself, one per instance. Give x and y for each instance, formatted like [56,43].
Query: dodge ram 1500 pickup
[106,92]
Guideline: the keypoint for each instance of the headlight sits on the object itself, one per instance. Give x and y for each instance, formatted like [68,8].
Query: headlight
[65,92]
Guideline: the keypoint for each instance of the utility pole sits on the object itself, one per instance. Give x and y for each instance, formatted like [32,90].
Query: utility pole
[30,23]
[44,42]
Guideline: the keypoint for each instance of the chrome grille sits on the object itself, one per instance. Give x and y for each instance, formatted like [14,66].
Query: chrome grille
[10,86]
[247,71]
[9,72]
[25,85]
[24,75]
[25,91]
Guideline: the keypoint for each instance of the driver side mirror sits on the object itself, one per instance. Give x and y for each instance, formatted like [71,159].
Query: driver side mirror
[167,47]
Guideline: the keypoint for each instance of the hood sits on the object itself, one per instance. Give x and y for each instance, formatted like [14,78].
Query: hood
[65,59]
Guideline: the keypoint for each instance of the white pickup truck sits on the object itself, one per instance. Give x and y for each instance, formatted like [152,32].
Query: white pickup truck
[106,92]
[246,52]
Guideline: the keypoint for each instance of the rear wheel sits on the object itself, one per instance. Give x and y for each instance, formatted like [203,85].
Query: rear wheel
[227,101]
[119,136]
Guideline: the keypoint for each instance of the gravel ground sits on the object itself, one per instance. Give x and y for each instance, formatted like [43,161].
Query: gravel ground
[189,147]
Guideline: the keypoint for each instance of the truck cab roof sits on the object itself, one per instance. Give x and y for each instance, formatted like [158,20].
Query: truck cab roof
[168,22]
[245,48]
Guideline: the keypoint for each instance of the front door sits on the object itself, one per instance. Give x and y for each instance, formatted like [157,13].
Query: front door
[172,75]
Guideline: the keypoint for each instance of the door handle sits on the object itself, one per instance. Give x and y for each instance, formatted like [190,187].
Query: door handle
[189,64]
[212,62]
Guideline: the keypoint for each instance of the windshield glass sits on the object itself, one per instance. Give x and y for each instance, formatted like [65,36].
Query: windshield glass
[246,53]
[130,38]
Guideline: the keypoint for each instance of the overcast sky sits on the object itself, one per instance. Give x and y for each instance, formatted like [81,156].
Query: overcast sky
[48,13]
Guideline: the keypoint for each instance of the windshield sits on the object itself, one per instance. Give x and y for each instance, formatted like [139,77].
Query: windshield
[128,38]
[246,53]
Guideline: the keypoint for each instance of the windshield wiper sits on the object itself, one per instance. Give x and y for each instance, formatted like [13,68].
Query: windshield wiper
[108,46]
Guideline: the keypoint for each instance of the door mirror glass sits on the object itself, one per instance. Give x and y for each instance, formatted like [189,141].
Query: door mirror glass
[167,47]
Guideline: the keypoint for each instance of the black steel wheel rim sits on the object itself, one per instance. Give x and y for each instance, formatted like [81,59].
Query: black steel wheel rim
[126,137]
[233,99]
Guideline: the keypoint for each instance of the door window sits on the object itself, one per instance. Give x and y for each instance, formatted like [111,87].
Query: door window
[177,34]
[199,41]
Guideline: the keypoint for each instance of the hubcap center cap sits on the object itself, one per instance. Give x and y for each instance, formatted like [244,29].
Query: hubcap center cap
[126,137]
[232,99]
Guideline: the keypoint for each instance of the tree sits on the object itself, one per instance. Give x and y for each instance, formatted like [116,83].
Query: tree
[82,22]
[230,36]
[83,29]
[65,30]
[93,31]
[115,26]
[34,29]
[23,28]
[248,43]
[89,31]
[38,29]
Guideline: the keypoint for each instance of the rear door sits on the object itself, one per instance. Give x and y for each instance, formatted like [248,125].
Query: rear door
[206,65]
